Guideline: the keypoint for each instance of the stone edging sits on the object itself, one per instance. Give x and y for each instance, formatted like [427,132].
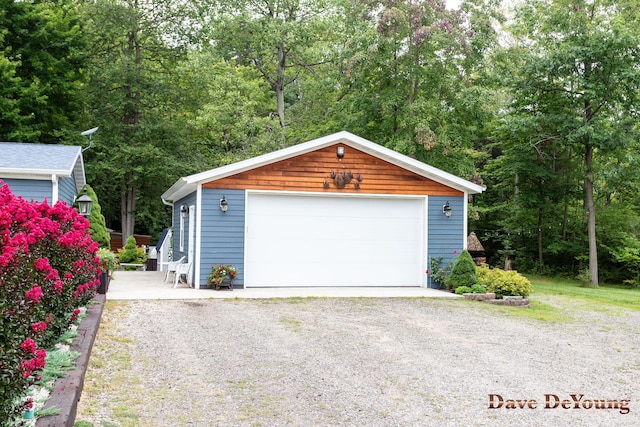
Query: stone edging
[490,298]
[66,391]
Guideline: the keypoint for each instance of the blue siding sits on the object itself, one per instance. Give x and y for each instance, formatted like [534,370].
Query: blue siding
[67,190]
[445,235]
[30,189]
[222,233]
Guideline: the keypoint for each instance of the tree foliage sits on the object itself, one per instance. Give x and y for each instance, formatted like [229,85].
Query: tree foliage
[541,108]
[463,272]
[98,227]
[575,97]
[42,51]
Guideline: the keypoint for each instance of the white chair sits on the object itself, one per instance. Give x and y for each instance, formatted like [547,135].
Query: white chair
[171,268]
[181,269]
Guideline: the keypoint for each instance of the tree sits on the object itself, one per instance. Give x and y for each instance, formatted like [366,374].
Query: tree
[284,40]
[412,79]
[463,272]
[98,226]
[230,119]
[134,96]
[579,82]
[42,54]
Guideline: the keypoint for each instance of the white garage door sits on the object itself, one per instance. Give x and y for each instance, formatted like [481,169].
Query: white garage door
[333,241]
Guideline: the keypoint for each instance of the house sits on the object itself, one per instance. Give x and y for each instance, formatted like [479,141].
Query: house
[335,211]
[42,171]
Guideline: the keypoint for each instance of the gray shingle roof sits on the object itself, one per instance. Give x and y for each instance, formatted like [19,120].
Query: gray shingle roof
[41,160]
[15,156]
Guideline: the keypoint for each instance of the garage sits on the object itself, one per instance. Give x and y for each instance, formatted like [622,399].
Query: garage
[329,240]
[336,211]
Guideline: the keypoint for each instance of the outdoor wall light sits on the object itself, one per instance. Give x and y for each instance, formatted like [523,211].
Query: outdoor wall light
[224,205]
[184,211]
[446,209]
[84,204]
[340,151]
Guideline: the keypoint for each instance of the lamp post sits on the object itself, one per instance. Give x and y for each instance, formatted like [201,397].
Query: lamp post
[84,204]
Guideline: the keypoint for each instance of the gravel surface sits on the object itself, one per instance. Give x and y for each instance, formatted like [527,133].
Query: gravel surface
[357,362]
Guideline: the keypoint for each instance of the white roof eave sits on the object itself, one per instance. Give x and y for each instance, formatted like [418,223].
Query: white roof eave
[32,173]
[188,184]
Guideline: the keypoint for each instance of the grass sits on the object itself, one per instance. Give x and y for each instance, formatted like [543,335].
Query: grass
[292,325]
[607,295]
[111,369]
[557,300]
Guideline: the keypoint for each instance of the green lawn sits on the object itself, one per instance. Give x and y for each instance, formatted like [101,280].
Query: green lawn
[612,296]
[563,301]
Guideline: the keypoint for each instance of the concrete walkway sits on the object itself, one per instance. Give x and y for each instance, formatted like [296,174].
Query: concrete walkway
[136,285]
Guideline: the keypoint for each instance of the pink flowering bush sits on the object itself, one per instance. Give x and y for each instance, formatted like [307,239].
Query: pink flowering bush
[48,268]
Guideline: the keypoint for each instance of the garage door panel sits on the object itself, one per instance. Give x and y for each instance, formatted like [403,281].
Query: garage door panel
[333,241]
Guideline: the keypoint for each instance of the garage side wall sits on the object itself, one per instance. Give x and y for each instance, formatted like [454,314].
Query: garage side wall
[222,233]
[446,234]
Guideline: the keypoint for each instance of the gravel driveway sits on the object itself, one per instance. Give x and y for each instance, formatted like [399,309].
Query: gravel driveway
[358,362]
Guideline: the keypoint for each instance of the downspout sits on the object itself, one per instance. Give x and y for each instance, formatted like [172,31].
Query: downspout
[465,221]
[54,190]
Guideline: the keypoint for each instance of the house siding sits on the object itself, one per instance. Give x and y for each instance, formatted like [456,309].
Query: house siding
[311,172]
[445,236]
[222,233]
[30,189]
[67,190]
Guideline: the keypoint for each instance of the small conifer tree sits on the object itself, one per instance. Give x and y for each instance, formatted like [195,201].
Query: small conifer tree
[98,228]
[131,253]
[463,272]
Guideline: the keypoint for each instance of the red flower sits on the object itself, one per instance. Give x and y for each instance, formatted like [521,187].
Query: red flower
[29,345]
[42,264]
[39,326]
[34,294]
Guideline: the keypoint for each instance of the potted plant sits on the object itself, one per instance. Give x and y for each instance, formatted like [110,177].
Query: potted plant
[222,275]
[108,264]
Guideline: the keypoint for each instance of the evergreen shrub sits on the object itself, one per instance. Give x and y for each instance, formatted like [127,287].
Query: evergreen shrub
[463,272]
[132,253]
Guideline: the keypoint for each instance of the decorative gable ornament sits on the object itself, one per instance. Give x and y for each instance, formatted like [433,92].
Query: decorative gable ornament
[342,179]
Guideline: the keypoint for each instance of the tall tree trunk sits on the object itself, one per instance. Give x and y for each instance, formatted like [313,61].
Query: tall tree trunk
[127,212]
[591,215]
[279,86]
[131,120]
[588,187]
[540,256]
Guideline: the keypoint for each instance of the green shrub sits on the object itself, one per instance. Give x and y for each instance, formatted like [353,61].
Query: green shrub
[463,290]
[108,260]
[98,228]
[478,289]
[463,272]
[504,283]
[439,272]
[132,253]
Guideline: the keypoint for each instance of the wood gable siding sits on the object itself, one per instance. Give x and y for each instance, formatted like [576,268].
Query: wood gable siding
[308,173]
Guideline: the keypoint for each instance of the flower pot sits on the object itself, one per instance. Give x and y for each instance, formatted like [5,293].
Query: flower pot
[226,281]
[29,414]
[104,282]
